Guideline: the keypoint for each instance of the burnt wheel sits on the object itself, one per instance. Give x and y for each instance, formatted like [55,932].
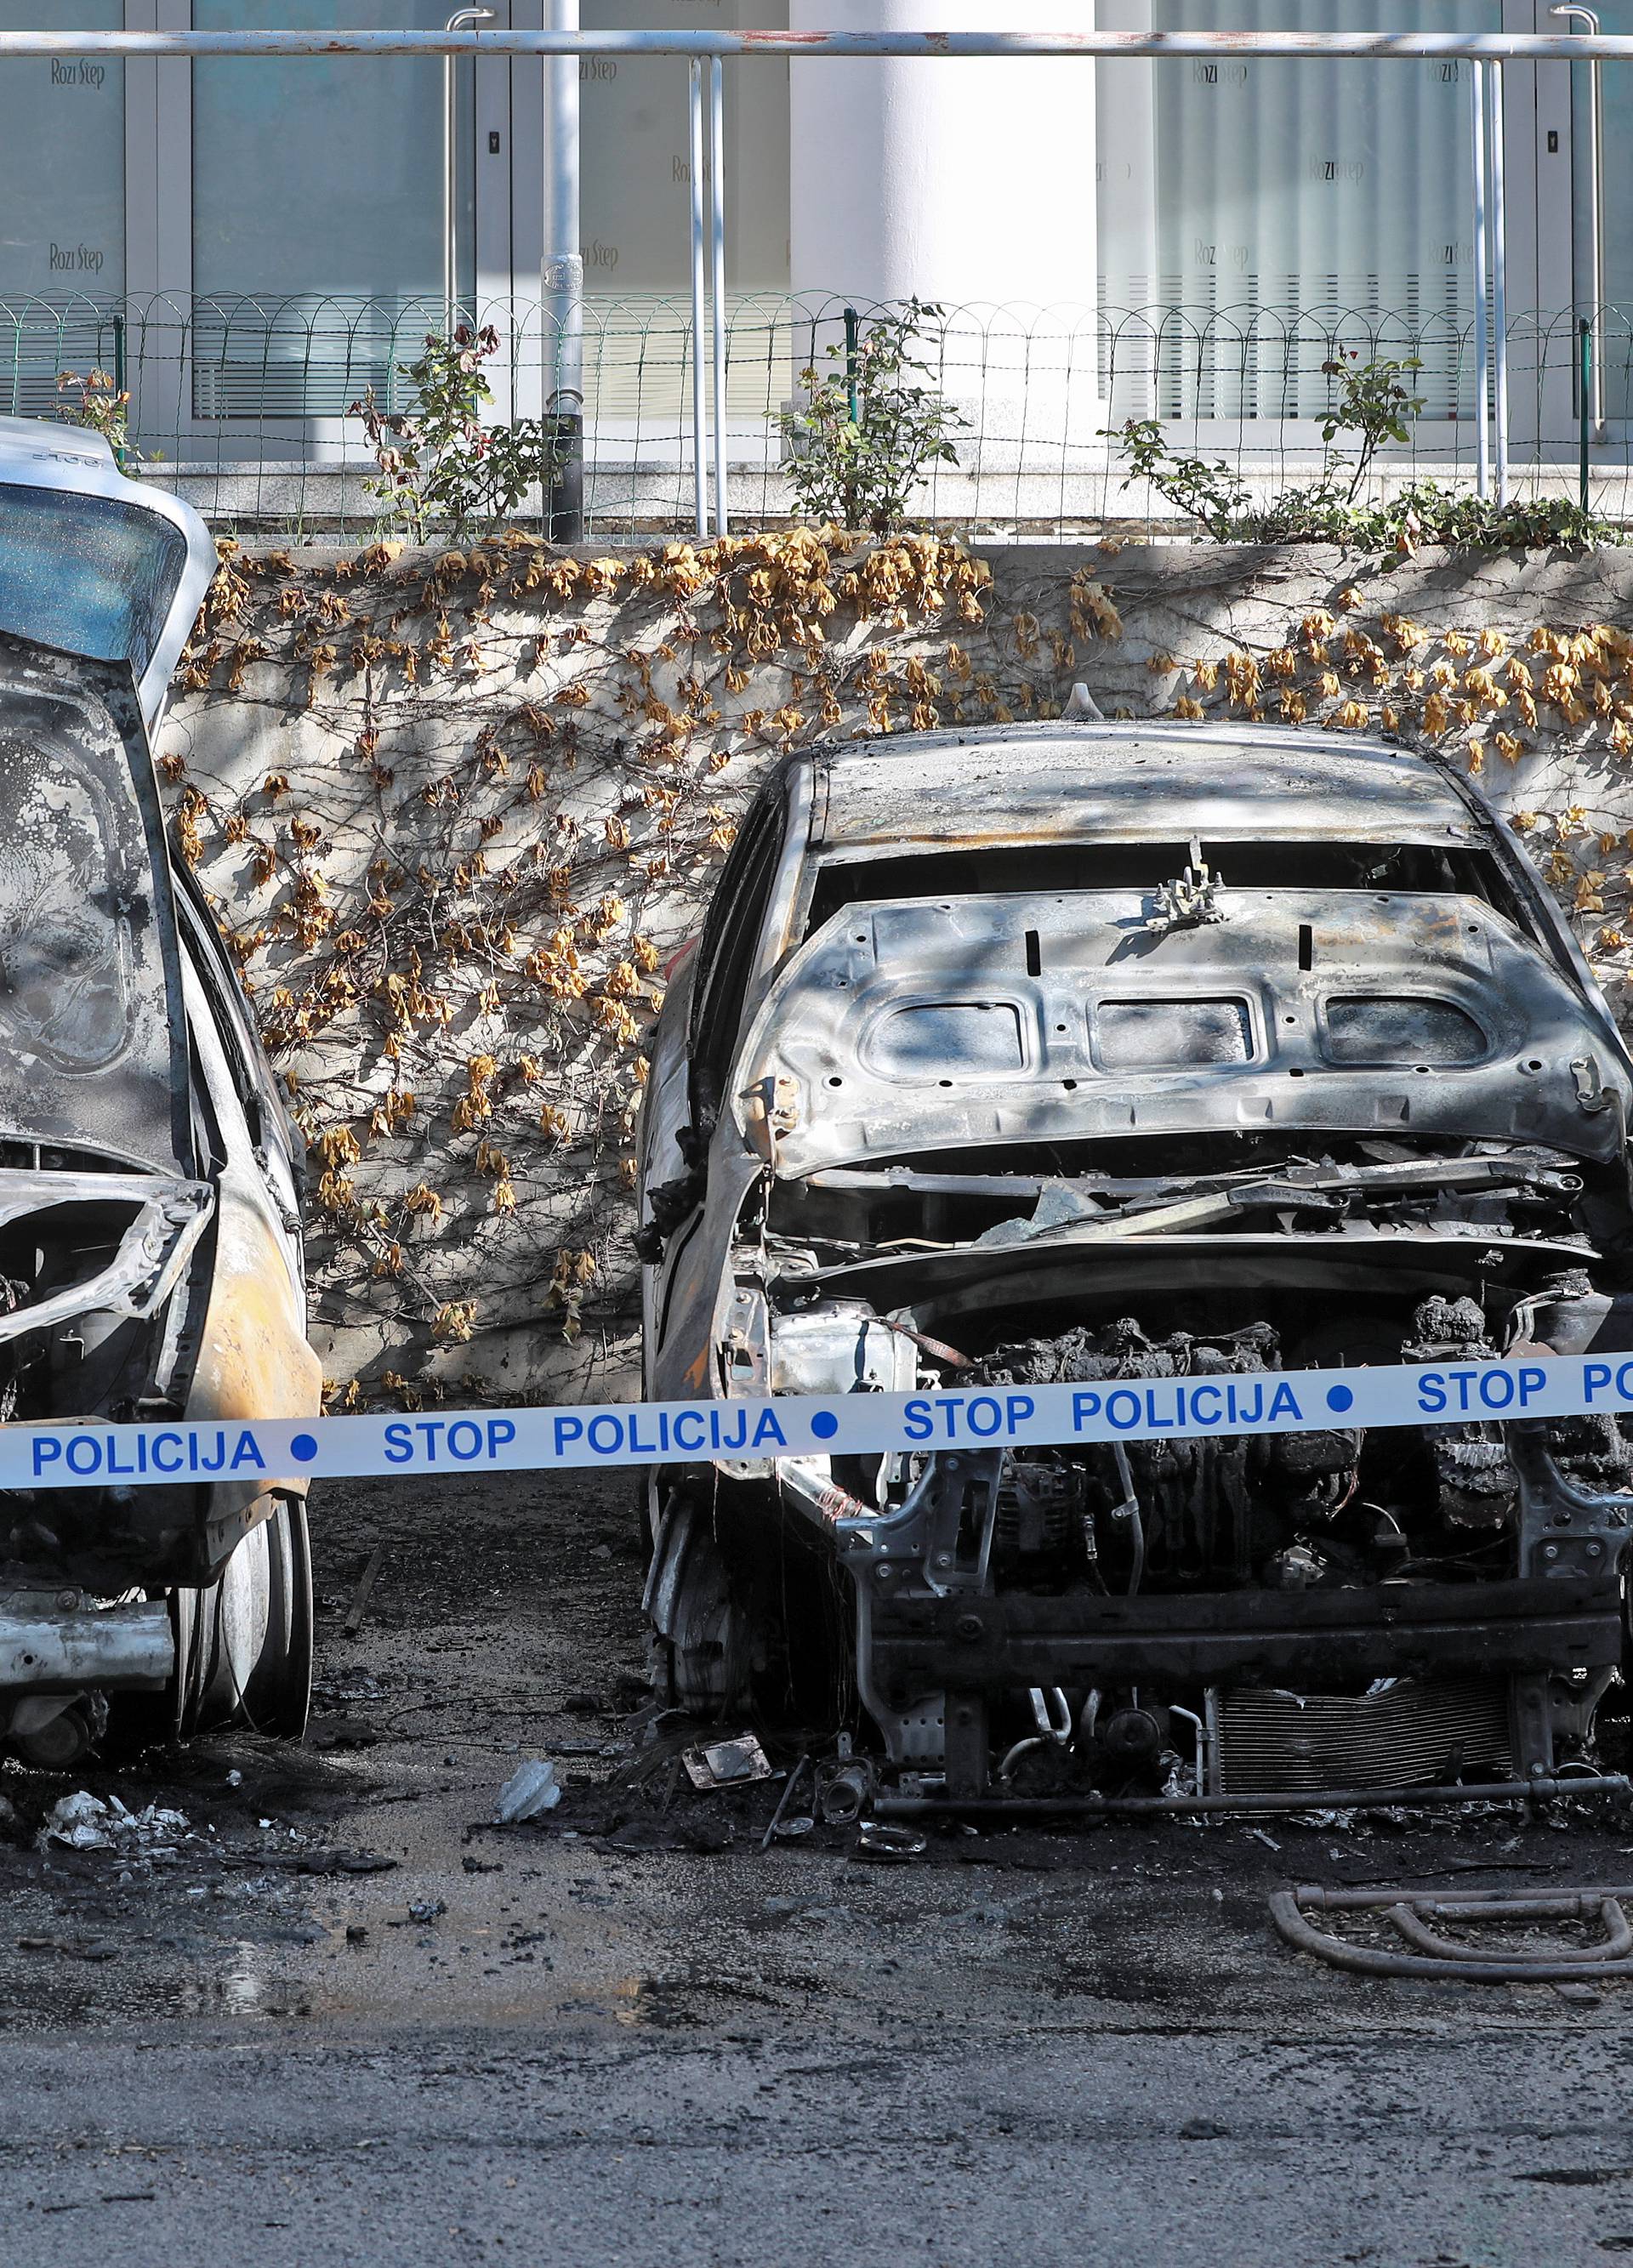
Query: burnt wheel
[246,1641]
[278,1693]
[701,1631]
[737,1627]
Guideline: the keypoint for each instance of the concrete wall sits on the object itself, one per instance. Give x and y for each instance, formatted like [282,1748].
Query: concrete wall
[456,811]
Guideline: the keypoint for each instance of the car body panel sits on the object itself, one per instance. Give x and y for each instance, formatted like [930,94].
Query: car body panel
[897,1024]
[1045,783]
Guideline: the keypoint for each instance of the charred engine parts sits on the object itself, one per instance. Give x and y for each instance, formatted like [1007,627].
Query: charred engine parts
[1196,896]
[998,1559]
[845,1786]
[1185,1511]
[1476,1482]
[53,1731]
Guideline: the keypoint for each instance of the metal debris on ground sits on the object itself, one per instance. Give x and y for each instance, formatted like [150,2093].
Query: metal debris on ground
[726,1763]
[875,1839]
[364,1591]
[1414,1916]
[782,1821]
[532,1788]
[83,1822]
[845,1786]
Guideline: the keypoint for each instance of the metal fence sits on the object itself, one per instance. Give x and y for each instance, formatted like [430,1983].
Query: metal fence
[244,404]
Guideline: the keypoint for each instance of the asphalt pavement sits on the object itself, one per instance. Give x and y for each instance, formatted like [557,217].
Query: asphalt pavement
[334,2014]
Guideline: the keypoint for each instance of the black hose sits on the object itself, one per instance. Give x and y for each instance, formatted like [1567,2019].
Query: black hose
[1129,1510]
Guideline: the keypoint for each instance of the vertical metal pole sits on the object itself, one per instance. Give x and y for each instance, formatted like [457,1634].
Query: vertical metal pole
[1585,401]
[449,123]
[450,168]
[1482,439]
[563,290]
[717,277]
[1499,289]
[1597,160]
[1569,8]
[699,480]
[852,329]
[119,376]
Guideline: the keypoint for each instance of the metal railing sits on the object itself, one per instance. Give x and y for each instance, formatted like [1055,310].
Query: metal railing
[242,403]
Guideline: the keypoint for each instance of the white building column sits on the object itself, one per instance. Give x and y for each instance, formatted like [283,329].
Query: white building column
[970,183]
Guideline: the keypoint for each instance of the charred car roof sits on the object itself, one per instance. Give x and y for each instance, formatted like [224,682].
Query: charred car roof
[1084,783]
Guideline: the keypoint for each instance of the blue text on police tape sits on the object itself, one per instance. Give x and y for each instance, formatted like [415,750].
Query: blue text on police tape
[179,1453]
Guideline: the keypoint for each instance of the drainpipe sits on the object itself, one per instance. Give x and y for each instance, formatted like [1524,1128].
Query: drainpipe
[563,289]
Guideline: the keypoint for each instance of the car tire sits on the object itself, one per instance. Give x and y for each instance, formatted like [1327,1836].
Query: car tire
[701,1645]
[245,1640]
[277,1695]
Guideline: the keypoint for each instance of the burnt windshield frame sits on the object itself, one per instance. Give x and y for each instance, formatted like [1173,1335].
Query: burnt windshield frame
[1264,861]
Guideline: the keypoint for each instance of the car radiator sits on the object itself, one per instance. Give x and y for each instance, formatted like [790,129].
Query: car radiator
[1409,1734]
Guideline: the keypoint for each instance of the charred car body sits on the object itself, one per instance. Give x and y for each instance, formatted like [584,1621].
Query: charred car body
[150,1243]
[1088,1052]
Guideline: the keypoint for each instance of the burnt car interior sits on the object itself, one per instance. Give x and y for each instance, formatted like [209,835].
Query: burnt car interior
[1184,1108]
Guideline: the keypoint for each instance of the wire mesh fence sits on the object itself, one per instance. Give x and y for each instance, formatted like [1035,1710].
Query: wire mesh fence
[246,405]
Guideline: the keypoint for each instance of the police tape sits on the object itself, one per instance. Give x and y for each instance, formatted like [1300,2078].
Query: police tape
[92,1455]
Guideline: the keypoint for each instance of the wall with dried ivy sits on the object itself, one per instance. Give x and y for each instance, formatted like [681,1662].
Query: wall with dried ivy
[456,810]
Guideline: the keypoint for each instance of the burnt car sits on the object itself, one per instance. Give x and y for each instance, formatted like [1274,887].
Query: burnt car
[1090,1051]
[151,1263]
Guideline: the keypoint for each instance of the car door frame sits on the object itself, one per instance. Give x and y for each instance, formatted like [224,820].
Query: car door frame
[677,1297]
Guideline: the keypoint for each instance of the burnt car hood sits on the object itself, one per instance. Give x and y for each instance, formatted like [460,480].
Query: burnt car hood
[92,1048]
[981,1021]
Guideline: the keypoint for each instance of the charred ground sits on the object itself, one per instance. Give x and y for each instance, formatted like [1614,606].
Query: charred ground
[339,2017]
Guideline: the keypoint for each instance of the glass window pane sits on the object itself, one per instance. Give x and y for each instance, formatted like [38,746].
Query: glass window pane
[318,177]
[62,160]
[1262,212]
[317,213]
[86,574]
[1613,339]
[636,193]
[635,213]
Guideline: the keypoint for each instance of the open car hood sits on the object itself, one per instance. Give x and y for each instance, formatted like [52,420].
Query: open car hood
[968,1021]
[93,1036]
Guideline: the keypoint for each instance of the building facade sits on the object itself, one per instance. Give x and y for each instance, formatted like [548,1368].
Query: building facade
[1155,234]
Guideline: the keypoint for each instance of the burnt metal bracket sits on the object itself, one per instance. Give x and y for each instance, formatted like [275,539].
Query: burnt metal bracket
[968,1747]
